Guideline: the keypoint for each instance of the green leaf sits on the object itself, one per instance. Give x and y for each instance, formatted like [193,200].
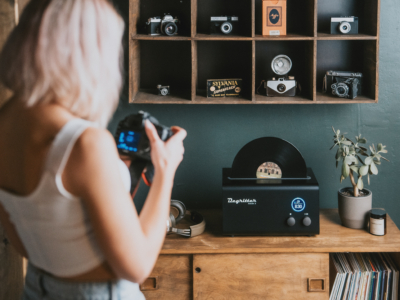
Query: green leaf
[360,184]
[372,149]
[364,170]
[347,143]
[368,160]
[345,170]
[338,132]
[354,168]
[362,140]
[385,158]
[373,168]
[378,163]
[379,147]
[363,148]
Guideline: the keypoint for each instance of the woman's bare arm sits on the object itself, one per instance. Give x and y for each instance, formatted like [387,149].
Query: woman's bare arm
[131,244]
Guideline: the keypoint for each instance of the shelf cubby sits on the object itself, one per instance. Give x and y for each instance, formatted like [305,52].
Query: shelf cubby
[348,55]
[302,55]
[222,60]
[367,12]
[187,60]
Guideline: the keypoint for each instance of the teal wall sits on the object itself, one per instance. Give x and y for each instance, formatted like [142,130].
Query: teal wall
[217,132]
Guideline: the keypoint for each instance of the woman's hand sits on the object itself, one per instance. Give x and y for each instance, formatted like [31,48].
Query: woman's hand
[166,156]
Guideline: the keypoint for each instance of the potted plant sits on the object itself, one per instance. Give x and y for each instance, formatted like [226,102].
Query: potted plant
[356,202]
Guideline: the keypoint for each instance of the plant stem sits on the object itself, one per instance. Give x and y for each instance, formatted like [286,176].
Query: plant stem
[355,189]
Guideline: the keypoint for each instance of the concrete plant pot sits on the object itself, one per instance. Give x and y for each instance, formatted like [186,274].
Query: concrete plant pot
[353,211]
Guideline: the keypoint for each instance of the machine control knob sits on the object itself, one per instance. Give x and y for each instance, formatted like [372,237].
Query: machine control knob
[307,221]
[291,221]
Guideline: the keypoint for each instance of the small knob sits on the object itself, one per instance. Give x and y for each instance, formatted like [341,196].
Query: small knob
[306,221]
[291,221]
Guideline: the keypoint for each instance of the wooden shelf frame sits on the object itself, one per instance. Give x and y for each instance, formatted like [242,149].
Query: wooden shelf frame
[363,47]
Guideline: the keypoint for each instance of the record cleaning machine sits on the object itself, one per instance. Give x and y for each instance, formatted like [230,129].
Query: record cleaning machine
[270,191]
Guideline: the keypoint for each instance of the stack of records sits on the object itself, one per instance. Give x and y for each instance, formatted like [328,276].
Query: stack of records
[364,276]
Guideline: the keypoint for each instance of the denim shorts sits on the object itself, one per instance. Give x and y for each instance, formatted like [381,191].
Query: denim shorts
[40,285]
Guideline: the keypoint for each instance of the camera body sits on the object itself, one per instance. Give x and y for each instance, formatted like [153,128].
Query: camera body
[131,136]
[284,86]
[163,90]
[343,84]
[224,25]
[344,25]
[167,25]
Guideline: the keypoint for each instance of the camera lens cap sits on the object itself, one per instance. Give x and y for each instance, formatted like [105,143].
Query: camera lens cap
[281,64]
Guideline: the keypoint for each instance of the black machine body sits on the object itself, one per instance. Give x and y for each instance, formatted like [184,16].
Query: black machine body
[344,25]
[282,87]
[224,25]
[270,191]
[270,206]
[343,84]
[167,25]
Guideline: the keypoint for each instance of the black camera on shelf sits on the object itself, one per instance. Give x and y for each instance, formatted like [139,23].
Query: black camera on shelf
[344,25]
[131,136]
[168,25]
[284,86]
[163,90]
[224,25]
[343,84]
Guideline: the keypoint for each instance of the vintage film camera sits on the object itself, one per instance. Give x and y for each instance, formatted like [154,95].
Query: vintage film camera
[224,25]
[163,90]
[342,84]
[344,25]
[284,86]
[166,26]
[132,140]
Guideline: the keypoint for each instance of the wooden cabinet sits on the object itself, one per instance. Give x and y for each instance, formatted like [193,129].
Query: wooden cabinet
[213,266]
[186,61]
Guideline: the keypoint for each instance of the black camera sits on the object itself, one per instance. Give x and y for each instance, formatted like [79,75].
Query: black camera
[163,90]
[131,136]
[343,84]
[132,140]
[167,25]
[224,25]
[344,25]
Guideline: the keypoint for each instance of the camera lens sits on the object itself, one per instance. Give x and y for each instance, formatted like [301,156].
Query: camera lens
[342,90]
[226,27]
[164,92]
[345,27]
[281,88]
[170,28]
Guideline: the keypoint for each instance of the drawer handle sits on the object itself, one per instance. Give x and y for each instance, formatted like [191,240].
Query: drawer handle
[150,284]
[316,284]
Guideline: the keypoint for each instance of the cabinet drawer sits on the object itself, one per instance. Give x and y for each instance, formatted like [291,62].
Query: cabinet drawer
[171,279]
[261,276]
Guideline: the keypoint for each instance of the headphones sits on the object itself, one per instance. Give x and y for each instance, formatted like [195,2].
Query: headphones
[177,212]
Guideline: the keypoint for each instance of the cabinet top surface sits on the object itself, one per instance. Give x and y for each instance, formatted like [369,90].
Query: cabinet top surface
[333,237]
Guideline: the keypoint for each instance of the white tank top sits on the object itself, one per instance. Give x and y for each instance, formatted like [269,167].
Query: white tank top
[51,222]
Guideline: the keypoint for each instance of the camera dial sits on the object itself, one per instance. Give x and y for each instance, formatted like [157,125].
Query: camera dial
[226,27]
[340,89]
[345,27]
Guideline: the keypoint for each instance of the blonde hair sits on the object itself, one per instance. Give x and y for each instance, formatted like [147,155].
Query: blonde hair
[67,52]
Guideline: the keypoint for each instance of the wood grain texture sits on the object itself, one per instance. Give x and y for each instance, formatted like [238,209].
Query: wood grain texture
[134,50]
[194,70]
[174,278]
[193,9]
[258,276]
[333,237]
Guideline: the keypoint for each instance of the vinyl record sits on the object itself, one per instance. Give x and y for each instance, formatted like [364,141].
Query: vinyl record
[269,157]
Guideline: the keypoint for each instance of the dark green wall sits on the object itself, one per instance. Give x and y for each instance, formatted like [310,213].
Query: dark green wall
[217,132]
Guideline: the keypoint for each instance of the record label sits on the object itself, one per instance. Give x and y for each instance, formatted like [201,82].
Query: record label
[269,170]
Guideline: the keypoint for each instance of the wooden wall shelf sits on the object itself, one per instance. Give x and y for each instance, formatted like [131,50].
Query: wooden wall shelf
[186,61]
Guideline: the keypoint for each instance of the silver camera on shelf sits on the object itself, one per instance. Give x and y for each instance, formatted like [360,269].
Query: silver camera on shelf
[224,24]
[344,25]
[163,90]
[168,25]
[284,86]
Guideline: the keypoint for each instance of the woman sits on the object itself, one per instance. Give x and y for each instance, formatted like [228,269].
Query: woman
[64,199]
